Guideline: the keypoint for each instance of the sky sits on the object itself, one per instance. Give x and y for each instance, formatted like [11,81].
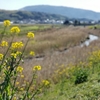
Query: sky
[93,5]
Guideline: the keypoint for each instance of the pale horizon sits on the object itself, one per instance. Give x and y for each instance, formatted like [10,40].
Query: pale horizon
[92,5]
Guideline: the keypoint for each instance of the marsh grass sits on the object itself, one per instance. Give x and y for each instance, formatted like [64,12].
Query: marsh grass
[58,51]
[58,45]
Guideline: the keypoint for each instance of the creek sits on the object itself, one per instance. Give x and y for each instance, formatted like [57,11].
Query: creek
[89,40]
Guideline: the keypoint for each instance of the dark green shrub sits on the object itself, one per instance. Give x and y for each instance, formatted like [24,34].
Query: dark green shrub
[81,76]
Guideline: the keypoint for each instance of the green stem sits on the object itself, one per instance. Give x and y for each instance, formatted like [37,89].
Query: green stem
[7,50]
[21,54]
[7,79]
[3,34]
[93,69]
[35,93]
[28,87]
[13,88]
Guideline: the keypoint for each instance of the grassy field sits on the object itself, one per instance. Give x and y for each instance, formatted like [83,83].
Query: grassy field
[58,51]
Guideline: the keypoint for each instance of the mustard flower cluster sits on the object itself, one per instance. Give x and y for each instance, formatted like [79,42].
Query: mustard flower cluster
[19,69]
[17,83]
[6,23]
[4,43]
[17,45]
[32,53]
[1,56]
[30,35]
[15,29]
[46,82]
[22,76]
[35,68]
[16,54]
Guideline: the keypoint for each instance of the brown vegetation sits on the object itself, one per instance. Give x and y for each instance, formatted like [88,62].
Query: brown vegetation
[57,47]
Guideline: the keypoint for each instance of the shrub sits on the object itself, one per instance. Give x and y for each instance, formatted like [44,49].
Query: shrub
[81,76]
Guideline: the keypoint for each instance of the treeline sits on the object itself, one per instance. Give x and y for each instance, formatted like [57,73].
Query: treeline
[24,15]
[78,22]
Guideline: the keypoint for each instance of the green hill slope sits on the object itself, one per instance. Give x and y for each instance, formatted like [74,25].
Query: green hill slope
[23,15]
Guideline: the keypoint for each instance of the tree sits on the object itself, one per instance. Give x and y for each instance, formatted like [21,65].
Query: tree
[66,22]
[76,22]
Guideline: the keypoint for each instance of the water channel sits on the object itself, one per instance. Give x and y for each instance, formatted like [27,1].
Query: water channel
[88,41]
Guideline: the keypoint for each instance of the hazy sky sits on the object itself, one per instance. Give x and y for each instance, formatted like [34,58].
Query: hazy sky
[84,4]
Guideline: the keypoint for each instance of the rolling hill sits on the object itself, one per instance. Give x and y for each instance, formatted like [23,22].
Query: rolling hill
[26,15]
[65,11]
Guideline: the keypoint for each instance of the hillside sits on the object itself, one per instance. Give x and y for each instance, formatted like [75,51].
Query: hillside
[65,11]
[23,15]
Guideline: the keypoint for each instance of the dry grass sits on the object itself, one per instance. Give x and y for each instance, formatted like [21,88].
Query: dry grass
[56,47]
[58,39]
[68,50]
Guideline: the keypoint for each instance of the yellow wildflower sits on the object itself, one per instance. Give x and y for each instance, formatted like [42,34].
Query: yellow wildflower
[4,64]
[8,67]
[15,98]
[17,83]
[32,88]
[30,35]
[45,82]
[6,23]
[4,43]
[32,53]
[21,89]
[27,83]
[17,45]
[14,55]
[19,69]
[22,76]
[15,29]
[1,56]
[18,53]
[36,68]
[24,81]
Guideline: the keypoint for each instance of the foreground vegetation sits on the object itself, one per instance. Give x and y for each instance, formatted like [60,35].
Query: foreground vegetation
[68,72]
[12,84]
[76,82]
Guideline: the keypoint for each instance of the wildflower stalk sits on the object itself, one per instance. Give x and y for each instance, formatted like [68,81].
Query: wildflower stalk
[27,90]
[36,92]
[13,88]
[7,51]
[10,68]
[45,84]
[93,68]
[5,84]
[3,33]
[22,54]
[7,80]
